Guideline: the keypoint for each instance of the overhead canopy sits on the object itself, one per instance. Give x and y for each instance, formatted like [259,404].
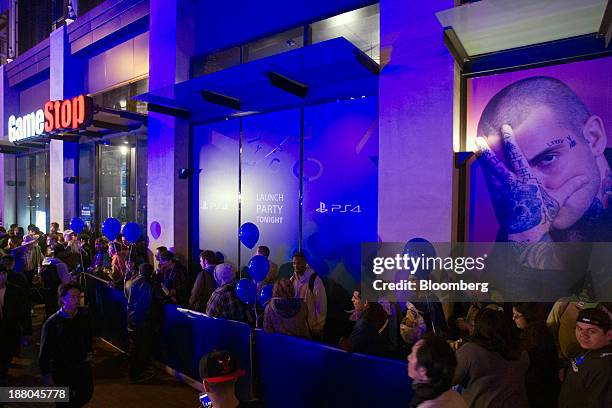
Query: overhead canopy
[326,71]
[496,25]
[105,122]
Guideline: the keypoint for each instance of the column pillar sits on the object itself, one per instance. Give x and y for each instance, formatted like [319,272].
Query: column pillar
[9,104]
[416,123]
[67,80]
[171,39]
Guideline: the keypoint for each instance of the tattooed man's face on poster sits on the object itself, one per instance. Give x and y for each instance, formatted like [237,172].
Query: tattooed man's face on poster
[542,153]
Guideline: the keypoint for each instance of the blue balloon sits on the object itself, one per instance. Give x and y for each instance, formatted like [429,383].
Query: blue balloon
[259,267]
[246,291]
[131,232]
[265,294]
[77,225]
[249,234]
[111,227]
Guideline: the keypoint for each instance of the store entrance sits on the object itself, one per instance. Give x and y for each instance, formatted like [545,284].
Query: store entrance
[113,179]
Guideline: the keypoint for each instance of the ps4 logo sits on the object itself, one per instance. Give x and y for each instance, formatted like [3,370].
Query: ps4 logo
[338,208]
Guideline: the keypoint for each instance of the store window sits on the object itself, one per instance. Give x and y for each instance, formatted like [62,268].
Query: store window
[121,98]
[214,62]
[112,179]
[32,190]
[361,27]
[276,44]
[113,168]
[34,22]
[86,5]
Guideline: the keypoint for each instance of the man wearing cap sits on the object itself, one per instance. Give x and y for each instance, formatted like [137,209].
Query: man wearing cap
[219,371]
[32,256]
[588,380]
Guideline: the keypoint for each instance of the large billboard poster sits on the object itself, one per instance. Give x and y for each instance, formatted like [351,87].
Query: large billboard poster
[544,168]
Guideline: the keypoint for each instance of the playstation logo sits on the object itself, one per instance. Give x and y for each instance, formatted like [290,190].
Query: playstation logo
[322,209]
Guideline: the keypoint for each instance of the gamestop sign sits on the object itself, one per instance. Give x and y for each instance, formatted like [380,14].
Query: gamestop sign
[54,117]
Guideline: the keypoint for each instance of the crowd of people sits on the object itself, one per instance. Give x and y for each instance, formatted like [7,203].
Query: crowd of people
[476,355]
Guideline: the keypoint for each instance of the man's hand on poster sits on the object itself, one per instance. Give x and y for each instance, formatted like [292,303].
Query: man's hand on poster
[523,207]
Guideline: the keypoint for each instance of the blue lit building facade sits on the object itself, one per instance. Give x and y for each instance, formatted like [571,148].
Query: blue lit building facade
[307,169]
[326,124]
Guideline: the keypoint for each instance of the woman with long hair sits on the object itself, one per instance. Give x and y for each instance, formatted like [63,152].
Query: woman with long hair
[542,380]
[491,367]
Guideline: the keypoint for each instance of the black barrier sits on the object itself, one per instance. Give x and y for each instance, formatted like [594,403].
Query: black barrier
[291,372]
[300,373]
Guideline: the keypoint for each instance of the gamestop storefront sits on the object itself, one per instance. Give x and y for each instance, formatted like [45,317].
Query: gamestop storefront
[27,186]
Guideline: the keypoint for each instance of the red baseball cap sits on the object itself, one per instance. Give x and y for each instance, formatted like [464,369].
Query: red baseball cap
[220,366]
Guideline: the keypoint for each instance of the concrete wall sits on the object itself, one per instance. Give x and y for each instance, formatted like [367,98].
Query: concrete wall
[416,123]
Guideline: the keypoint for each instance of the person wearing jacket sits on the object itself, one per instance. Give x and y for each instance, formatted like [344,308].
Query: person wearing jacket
[285,313]
[309,287]
[224,303]
[15,322]
[144,314]
[431,365]
[205,282]
[588,380]
[53,273]
[66,347]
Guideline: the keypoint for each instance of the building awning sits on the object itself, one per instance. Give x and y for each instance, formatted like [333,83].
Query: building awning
[327,71]
[567,28]
[105,122]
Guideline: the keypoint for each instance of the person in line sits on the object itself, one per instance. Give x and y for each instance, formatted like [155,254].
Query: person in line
[309,287]
[145,300]
[205,282]
[118,266]
[224,302]
[16,278]
[175,280]
[285,313]
[4,239]
[220,371]
[272,275]
[588,380]
[370,334]
[53,273]
[15,323]
[542,379]
[491,367]
[66,346]
[102,259]
[32,257]
[561,322]
[431,365]
[54,232]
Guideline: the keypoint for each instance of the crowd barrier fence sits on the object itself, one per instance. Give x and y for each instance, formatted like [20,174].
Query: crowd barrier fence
[282,370]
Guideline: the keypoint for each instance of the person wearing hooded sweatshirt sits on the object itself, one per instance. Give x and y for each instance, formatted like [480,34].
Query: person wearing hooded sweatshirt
[285,313]
[224,302]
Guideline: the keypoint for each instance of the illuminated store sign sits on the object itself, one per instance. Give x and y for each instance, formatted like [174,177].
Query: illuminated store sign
[56,116]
